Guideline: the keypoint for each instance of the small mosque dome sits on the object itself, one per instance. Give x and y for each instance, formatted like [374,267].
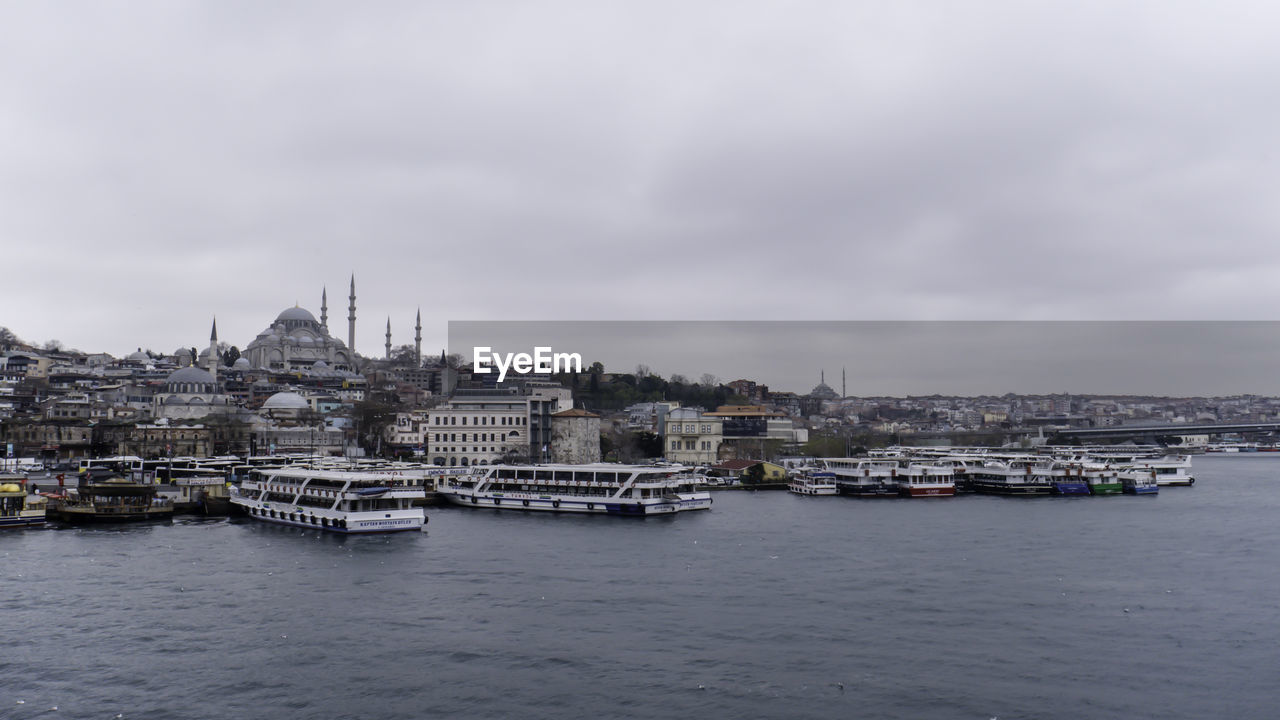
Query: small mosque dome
[286,401]
[190,375]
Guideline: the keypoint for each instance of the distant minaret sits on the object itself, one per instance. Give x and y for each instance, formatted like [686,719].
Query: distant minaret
[324,308]
[417,341]
[822,377]
[388,337]
[844,391]
[351,320]
[213,351]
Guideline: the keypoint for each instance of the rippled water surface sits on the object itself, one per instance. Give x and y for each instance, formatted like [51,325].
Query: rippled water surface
[770,605]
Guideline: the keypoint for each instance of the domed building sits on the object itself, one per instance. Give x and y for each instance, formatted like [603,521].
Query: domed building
[285,405]
[189,393]
[823,391]
[297,341]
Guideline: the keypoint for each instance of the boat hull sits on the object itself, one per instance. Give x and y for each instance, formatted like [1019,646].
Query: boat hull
[86,517]
[1106,489]
[1012,489]
[869,490]
[348,524]
[813,490]
[22,521]
[924,492]
[1070,488]
[578,504]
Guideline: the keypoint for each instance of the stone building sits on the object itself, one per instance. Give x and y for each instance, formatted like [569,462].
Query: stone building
[191,393]
[575,437]
[297,341]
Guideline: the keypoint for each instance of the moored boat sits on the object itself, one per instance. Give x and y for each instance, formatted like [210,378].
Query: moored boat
[1139,482]
[1102,480]
[865,478]
[202,493]
[340,501]
[916,480]
[104,496]
[600,488]
[999,477]
[813,482]
[18,507]
[1069,480]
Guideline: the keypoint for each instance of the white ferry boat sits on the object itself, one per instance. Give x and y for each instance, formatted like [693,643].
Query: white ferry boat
[919,480]
[1012,477]
[601,488]
[333,500]
[1171,470]
[862,477]
[814,483]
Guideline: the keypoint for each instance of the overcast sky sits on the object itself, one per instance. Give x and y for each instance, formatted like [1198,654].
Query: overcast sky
[1184,358]
[165,162]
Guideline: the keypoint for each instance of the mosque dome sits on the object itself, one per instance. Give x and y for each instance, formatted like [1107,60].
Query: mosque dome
[139,357]
[241,364]
[296,313]
[295,341]
[823,391]
[286,401]
[190,375]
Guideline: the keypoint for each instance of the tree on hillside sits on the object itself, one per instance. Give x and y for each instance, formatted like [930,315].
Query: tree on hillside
[8,339]
[404,355]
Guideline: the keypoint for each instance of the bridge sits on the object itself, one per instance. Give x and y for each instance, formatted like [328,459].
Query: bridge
[1164,430]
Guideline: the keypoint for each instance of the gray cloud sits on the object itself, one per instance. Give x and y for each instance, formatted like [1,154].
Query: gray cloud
[663,160]
[1183,358]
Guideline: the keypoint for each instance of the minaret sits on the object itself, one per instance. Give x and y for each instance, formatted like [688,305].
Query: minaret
[417,341]
[844,391]
[351,321]
[388,337]
[213,351]
[324,308]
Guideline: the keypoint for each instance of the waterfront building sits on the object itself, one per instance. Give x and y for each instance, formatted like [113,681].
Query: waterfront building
[575,437]
[742,470]
[482,426]
[475,428]
[692,437]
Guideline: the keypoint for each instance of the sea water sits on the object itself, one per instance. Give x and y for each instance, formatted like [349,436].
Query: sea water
[769,605]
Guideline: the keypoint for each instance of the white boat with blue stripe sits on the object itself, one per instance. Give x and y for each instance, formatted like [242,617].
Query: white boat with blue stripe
[340,501]
[600,488]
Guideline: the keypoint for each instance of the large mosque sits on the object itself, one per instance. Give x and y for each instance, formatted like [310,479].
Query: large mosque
[297,341]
